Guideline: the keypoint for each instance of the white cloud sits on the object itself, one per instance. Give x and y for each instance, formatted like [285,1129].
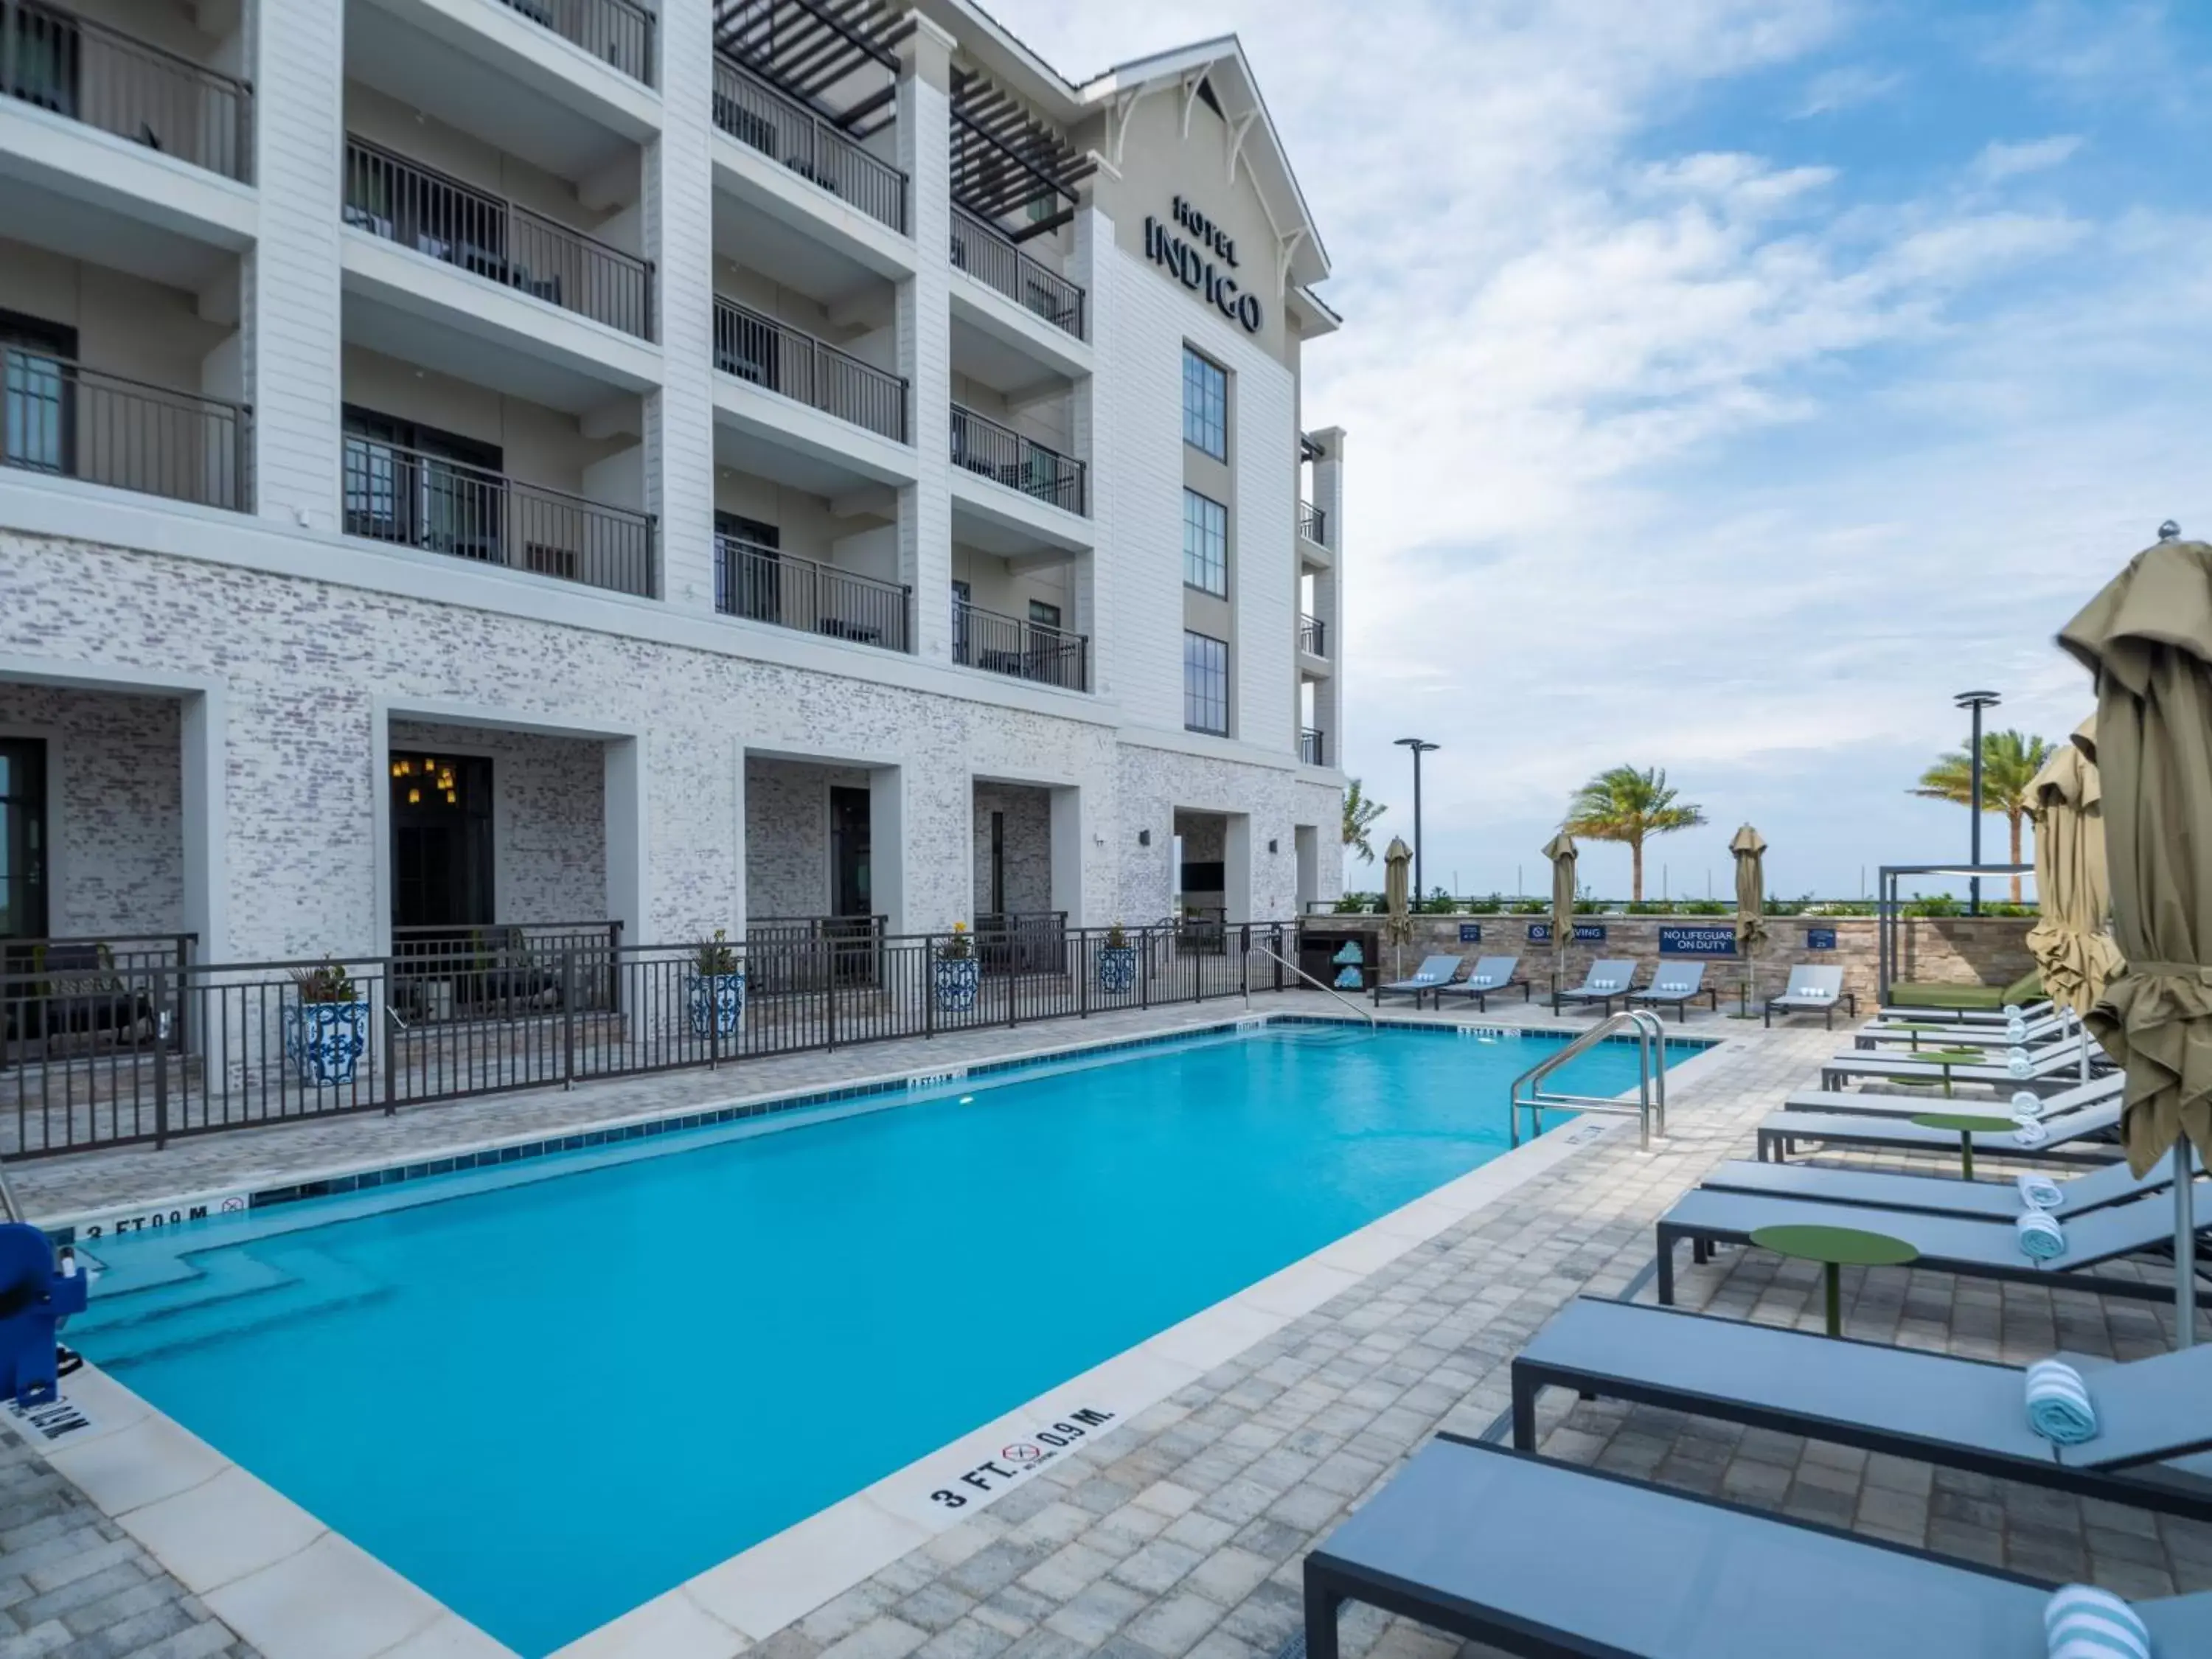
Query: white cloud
[1847,87]
[1999,161]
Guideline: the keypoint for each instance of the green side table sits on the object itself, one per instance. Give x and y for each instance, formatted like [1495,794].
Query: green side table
[1968,1125]
[1947,1058]
[1835,1248]
[1916,1030]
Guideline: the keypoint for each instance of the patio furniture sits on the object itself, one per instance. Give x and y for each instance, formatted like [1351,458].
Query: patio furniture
[1965,1125]
[1812,989]
[1536,1557]
[1911,999]
[2061,1061]
[2153,1416]
[1432,972]
[1856,1103]
[1986,1201]
[2083,1136]
[1607,983]
[1677,984]
[2033,1033]
[1492,974]
[74,990]
[1835,1248]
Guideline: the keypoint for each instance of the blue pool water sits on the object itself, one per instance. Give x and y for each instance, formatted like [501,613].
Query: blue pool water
[547,1401]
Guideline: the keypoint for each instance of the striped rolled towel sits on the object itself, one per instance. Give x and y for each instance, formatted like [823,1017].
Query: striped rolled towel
[2041,1239]
[2040,1192]
[2081,1621]
[2058,1404]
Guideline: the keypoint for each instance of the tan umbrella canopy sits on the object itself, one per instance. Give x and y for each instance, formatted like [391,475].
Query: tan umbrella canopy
[2065,801]
[1750,849]
[1397,923]
[2147,639]
[1560,849]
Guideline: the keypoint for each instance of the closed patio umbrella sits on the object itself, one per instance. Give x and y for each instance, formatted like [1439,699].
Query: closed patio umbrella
[1560,849]
[2076,955]
[1397,923]
[1750,849]
[2147,639]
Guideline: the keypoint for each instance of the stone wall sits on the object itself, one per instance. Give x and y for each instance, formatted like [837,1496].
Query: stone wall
[1027,847]
[548,818]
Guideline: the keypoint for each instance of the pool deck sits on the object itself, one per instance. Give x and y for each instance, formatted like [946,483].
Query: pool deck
[1177,1526]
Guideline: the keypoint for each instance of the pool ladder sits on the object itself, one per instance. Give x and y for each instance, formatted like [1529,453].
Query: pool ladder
[1529,1093]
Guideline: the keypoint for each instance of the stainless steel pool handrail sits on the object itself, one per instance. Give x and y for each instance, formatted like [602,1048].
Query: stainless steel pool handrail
[9,1209]
[1283,961]
[1528,1094]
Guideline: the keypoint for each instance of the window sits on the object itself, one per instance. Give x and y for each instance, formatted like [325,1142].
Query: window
[1205,683]
[1205,405]
[40,423]
[1205,543]
[1044,616]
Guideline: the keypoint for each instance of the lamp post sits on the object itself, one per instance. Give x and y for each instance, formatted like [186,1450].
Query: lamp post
[1976,702]
[1420,746]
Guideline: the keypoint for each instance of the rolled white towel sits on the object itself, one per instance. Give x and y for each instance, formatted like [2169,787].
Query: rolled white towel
[2016,1030]
[2030,1133]
[2040,1238]
[2017,1063]
[2058,1404]
[2027,1104]
[2040,1192]
[1480,982]
[2013,1010]
[2081,1621]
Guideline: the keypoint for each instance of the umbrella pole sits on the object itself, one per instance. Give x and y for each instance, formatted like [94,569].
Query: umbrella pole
[2184,1247]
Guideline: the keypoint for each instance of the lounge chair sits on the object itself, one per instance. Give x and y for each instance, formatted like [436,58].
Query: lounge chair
[1677,984]
[1935,1195]
[1913,999]
[2053,1065]
[1972,1248]
[1492,976]
[1959,1413]
[2076,1137]
[1537,1558]
[1812,990]
[1432,972]
[1607,983]
[1856,1102]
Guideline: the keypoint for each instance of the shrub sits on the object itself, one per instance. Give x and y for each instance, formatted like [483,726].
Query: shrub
[1706,908]
[1530,907]
[325,982]
[717,958]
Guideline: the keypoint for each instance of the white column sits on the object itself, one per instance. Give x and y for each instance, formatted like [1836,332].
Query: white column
[205,836]
[924,330]
[1093,435]
[739,899]
[627,840]
[1328,592]
[1070,841]
[1236,867]
[887,859]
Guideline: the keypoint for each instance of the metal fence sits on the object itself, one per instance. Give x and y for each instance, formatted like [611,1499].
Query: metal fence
[812,372]
[985,252]
[394,493]
[1313,748]
[753,112]
[618,31]
[1313,636]
[488,236]
[178,1050]
[1312,523]
[998,452]
[77,422]
[1025,650]
[107,79]
[765,584]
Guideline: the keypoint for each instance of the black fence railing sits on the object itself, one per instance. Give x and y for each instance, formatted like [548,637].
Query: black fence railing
[1313,636]
[1312,750]
[986,253]
[764,584]
[1025,650]
[488,236]
[56,416]
[812,372]
[107,79]
[1312,523]
[618,31]
[292,1042]
[393,494]
[499,970]
[998,452]
[754,113]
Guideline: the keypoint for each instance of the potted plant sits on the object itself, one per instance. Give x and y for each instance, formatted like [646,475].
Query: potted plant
[326,1026]
[956,972]
[1117,963]
[717,990]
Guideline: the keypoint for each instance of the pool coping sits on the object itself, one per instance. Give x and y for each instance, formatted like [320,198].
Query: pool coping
[295,1588]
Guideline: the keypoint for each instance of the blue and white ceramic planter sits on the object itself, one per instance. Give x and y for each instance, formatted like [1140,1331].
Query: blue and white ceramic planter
[324,1041]
[1117,968]
[956,979]
[718,1004]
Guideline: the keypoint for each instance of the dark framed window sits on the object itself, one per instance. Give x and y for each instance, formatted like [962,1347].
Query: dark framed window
[1043,615]
[1205,405]
[422,486]
[1205,543]
[37,360]
[441,841]
[23,838]
[1205,683]
[748,575]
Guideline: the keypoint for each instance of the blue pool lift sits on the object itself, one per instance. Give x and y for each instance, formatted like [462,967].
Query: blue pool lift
[37,1293]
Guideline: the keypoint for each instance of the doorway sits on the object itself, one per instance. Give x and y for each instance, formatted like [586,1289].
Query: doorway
[849,888]
[23,838]
[441,842]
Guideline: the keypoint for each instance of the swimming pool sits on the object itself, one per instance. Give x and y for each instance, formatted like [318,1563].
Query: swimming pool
[547,1392]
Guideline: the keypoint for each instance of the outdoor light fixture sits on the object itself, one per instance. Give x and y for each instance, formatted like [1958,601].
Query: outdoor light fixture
[1144,838]
[1271,846]
[1420,746]
[1976,702]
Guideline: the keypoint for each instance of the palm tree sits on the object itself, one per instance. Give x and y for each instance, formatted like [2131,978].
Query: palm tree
[1359,815]
[2010,761]
[1625,804]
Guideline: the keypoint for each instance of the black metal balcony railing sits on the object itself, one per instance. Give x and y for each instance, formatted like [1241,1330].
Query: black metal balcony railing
[764,585]
[753,112]
[617,31]
[1313,636]
[1026,650]
[986,254]
[1312,523]
[1310,748]
[107,79]
[395,199]
[420,500]
[812,372]
[77,422]
[998,452]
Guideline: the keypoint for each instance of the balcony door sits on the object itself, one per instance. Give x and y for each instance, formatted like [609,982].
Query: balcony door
[47,55]
[441,841]
[23,838]
[755,566]
[422,487]
[850,888]
[962,599]
[37,370]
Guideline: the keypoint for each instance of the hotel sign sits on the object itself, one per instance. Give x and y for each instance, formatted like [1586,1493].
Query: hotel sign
[1188,262]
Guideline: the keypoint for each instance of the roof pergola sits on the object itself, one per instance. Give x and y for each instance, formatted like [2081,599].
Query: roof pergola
[820,52]
[1004,158]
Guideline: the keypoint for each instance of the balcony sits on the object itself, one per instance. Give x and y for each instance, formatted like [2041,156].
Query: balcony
[1025,650]
[755,114]
[616,32]
[72,422]
[413,499]
[764,584]
[1313,636]
[790,360]
[1311,750]
[1313,524]
[1001,454]
[91,73]
[398,201]
[985,253]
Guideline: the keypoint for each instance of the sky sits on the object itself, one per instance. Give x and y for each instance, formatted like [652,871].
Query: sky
[1727,384]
